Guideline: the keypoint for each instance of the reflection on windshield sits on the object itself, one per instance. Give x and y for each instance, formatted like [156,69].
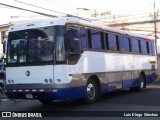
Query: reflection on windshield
[40,50]
[40,45]
[33,45]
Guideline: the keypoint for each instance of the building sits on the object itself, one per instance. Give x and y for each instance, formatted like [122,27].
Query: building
[3,33]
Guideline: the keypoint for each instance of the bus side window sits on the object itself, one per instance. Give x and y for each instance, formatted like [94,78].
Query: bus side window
[112,42]
[143,47]
[150,48]
[134,45]
[73,40]
[83,38]
[96,39]
[124,44]
[153,48]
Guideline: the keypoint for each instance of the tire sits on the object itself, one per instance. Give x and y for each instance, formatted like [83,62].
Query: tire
[91,92]
[46,102]
[141,85]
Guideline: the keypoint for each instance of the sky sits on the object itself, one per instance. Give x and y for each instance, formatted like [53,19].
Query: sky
[117,7]
[121,7]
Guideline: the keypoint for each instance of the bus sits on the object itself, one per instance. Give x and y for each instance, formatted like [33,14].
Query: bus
[68,58]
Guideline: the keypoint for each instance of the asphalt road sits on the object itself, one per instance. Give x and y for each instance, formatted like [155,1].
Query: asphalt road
[123,101]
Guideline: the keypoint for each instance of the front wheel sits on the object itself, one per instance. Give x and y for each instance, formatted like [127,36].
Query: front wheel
[91,92]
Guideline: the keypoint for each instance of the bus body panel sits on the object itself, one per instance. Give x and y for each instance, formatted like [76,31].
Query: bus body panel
[36,75]
[70,80]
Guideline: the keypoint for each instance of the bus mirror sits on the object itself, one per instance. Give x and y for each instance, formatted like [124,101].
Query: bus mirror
[5,45]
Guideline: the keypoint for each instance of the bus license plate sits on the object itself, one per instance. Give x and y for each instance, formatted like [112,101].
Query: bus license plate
[29,96]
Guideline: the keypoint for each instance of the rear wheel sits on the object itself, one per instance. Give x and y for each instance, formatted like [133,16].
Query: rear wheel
[47,102]
[91,92]
[141,84]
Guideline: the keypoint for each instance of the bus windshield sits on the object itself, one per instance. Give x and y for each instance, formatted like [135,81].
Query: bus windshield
[31,45]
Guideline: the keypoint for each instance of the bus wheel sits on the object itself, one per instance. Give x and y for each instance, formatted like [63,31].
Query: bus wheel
[141,84]
[91,92]
[47,102]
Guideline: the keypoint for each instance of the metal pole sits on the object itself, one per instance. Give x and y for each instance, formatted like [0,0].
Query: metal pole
[155,26]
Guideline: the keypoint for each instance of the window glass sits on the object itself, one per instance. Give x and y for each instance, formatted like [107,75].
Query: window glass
[83,38]
[150,47]
[60,43]
[112,44]
[41,45]
[153,48]
[124,43]
[18,50]
[134,45]
[96,39]
[73,40]
[32,45]
[143,47]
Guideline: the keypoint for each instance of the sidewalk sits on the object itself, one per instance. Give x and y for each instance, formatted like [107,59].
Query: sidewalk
[157,81]
[155,84]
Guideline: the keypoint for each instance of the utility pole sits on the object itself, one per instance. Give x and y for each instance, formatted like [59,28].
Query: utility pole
[155,16]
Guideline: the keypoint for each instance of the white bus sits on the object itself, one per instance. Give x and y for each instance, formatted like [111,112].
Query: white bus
[70,58]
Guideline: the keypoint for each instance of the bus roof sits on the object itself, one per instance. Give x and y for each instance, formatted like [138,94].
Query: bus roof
[63,20]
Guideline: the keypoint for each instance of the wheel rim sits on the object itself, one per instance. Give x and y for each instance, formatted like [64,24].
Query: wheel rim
[91,91]
[142,81]
[142,84]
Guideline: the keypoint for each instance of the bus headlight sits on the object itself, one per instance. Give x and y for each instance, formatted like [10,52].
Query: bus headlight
[46,80]
[9,81]
[50,80]
[12,81]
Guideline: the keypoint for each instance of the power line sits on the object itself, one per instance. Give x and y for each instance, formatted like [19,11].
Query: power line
[139,30]
[134,23]
[51,2]
[69,15]
[48,15]
[38,7]
[11,6]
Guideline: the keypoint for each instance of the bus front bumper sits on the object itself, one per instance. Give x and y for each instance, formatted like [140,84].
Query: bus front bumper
[44,92]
